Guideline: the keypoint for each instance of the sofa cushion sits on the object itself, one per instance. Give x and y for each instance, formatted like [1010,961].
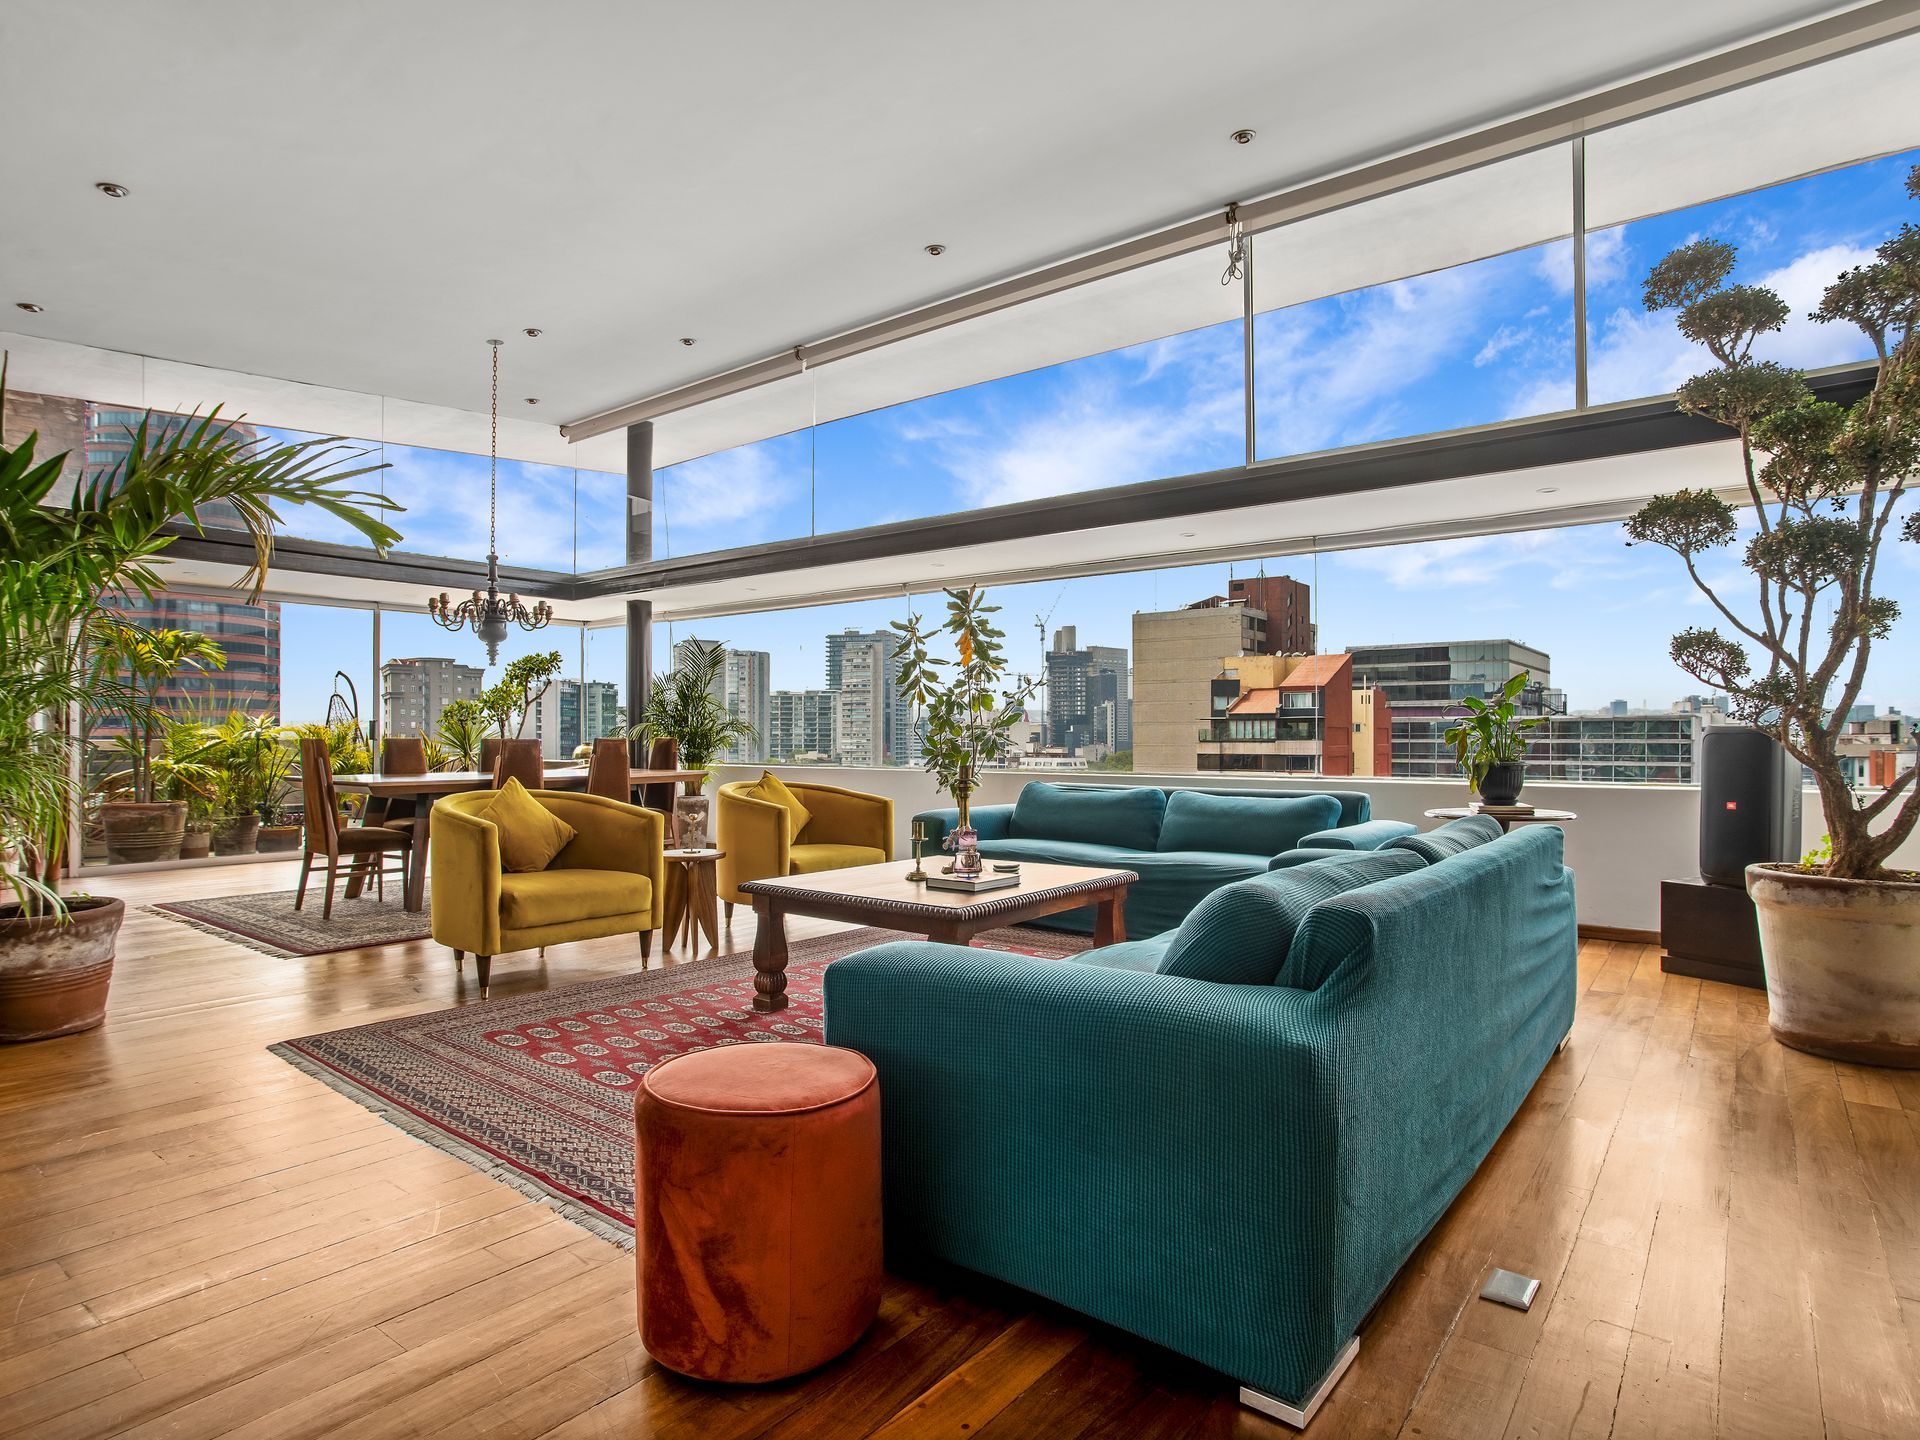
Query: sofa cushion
[1240,935]
[1057,852]
[530,834]
[1449,839]
[1141,955]
[558,897]
[812,859]
[771,788]
[1123,815]
[1243,824]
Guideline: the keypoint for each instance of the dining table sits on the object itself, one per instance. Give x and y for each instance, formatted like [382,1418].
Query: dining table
[382,791]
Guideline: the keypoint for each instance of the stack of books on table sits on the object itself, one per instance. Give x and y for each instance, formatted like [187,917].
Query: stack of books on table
[1497,811]
[976,885]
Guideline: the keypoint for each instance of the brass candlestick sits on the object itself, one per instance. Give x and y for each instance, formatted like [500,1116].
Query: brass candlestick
[919,839]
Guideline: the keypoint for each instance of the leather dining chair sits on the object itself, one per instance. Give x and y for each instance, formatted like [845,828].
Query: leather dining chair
[401,755]
[327,837]
[520,760]
[608,770]
[490,754]
[663,754]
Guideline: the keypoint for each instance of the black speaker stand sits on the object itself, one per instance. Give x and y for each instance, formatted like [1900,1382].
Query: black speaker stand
[1711,932]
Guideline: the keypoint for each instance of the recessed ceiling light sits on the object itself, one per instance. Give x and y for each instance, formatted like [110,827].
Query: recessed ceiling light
[1548,490]
[108,187]
[1242,137]
[531,333]
[935,249]
[28,306]
[533,399]
[686,340]
[1186,534]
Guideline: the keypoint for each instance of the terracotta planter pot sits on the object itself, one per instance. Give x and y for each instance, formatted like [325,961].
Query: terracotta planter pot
[236,834]
[195,844]
[54,975]
[138,831]
[275,838]
[1843,964]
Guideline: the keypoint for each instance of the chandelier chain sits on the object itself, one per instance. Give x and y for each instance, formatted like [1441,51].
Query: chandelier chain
[493,457]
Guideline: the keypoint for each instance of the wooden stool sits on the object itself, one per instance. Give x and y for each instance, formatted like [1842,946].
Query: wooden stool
[757,1208]
[692,907]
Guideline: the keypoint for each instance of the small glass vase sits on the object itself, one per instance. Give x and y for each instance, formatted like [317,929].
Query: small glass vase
[966,852]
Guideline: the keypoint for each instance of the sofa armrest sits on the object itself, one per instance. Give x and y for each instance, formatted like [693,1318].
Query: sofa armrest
[465,896]
[1039,1118]
[756,836]
[990,822]
[847,817]
[1367,835]
[1306,855]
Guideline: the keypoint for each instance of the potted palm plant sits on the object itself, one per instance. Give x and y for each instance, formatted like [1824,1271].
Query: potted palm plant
[64,556]
[274,764]
[144,822]
[969,717]
[1839,937]
[462,731]
[248,751]
[1490,742]
[683,706]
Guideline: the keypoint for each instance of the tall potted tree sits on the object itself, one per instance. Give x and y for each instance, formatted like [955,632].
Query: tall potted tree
[1840,937]
[510,699]
[969,718]
[684,705]
[64,557]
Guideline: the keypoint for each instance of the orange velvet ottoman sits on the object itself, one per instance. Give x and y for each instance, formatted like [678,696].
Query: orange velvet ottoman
[757,1208]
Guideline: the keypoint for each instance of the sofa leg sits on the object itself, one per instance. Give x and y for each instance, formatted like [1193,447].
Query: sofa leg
[729,905]
[1298,1416]
[646,947]
[484,965]
[458,957]
[1563,1042]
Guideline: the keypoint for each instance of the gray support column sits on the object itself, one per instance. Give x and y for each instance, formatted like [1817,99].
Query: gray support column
[639,548]
[1579,272]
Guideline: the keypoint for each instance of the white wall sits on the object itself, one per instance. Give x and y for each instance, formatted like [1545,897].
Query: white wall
[1627,840]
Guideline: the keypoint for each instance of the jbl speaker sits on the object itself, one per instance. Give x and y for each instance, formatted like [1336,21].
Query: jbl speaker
[1749,802]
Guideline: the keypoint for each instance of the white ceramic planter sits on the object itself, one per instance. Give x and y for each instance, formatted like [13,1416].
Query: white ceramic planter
[1843,964]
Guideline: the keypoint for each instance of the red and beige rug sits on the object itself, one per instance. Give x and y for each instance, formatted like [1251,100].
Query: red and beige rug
[538,1090]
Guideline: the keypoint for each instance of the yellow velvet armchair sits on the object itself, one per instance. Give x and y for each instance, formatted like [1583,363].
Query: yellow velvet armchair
[608,880]
[846,828]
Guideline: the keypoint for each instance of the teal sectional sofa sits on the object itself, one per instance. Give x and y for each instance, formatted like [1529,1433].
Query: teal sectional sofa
[1183,844]
[1228,1140]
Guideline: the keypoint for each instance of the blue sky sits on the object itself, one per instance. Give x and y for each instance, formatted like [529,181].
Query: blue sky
[1469,345]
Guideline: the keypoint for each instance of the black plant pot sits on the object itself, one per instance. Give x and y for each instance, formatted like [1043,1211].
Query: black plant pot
[1501,784]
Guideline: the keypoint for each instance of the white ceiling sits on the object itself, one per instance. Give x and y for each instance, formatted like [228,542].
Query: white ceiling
[357,195]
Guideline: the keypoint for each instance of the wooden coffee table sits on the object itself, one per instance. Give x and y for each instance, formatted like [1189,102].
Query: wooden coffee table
[881,895]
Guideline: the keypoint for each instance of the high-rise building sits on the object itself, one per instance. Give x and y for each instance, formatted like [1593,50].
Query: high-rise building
[110,432]
[568,715]
[414,691]
[1088,698]
[1287,605]
[800,725]
[248,635]
[1279,714]
[1427,684]
[744,691]
[862,701]
[1176,657]
[894,740]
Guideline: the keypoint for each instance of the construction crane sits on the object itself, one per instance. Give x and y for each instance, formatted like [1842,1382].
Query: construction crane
[1040,623]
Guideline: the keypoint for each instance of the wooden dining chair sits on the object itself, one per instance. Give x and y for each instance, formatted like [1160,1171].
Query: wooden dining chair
[607,772]
[327,837]
[520,759]
[664,754]
[401,755]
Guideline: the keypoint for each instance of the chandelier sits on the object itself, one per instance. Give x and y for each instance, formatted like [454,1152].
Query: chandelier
[490,613]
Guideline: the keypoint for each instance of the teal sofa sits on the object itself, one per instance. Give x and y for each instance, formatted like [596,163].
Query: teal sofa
[1183,844]
[1230,1146]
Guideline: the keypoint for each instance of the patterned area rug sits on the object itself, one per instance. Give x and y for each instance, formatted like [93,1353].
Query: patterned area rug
[269,923]
[538,1090]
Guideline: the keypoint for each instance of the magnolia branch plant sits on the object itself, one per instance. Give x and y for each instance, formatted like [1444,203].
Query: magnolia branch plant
[969,717]
[1825,482]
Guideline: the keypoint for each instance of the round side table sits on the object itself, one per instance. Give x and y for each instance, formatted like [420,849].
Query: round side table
[1506,817]
[692,899]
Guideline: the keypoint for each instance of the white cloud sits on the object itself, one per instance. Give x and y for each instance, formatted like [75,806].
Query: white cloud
[741,489]
[1498,343]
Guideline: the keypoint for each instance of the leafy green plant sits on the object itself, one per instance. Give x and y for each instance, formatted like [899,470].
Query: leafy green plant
[511,698]
[64,558]
[463,730]
[1825,482]
[254,765]
[1492,734]
[682,706]
[142,661]
[970,718]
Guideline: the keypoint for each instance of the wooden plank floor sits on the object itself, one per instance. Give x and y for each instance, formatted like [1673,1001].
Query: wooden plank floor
[197,1240]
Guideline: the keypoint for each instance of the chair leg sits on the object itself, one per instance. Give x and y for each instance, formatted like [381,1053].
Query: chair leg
[543,952]
[459,960]
[484,965]
[729,912]
[306,864]
[326,910]
[646,947]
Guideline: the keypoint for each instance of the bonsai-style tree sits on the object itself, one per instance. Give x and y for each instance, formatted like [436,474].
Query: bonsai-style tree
[1825,482]
[682,706]
[511,698]
[969,719]
[64,557]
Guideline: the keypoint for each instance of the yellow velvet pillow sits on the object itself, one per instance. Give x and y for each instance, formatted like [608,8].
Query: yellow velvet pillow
[770,787]
[530,834]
